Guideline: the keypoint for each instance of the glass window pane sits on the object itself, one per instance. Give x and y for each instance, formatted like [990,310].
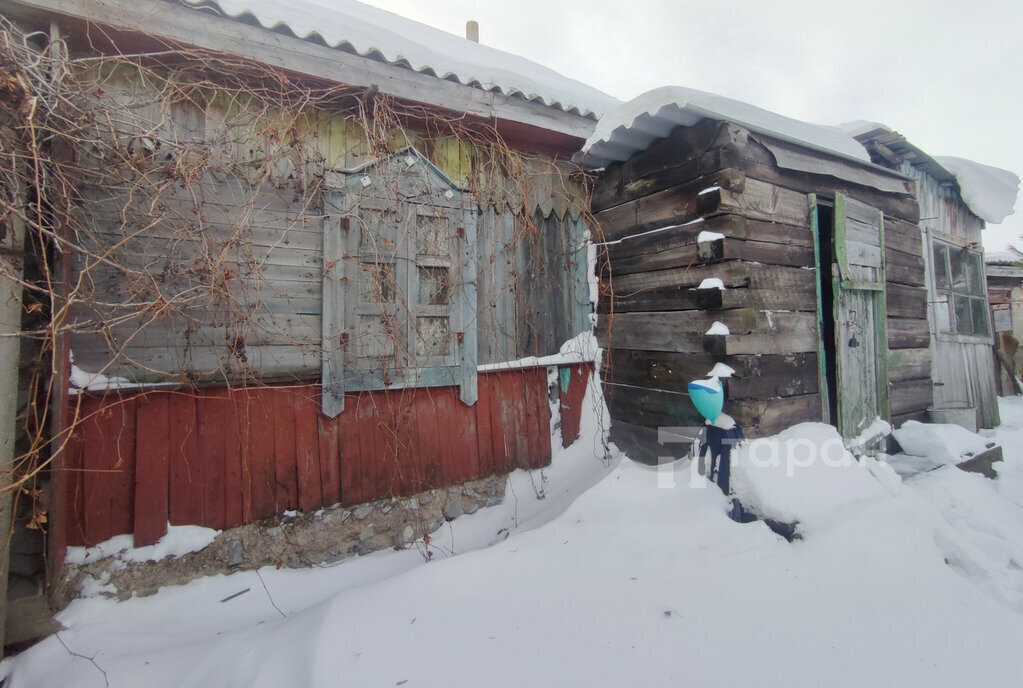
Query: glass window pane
[433,337]
[940,255]
[377,283]
[964,320]
[976,273]
[957,260]
[434,286]
[980,316]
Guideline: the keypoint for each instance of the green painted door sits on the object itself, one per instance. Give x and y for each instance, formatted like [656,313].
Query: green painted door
[853,365]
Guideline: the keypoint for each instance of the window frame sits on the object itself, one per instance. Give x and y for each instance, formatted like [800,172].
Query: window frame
[953,288]
[405,187]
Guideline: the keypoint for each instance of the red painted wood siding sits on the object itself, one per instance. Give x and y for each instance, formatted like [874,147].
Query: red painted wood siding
[218,457]
[572,397]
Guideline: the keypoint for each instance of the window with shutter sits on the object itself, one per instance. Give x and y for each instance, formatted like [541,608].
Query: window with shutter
[399,281]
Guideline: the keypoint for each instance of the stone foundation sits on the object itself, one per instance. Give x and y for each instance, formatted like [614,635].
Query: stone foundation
[324,537]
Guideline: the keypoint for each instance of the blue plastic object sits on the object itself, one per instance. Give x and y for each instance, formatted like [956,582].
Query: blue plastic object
[708,398]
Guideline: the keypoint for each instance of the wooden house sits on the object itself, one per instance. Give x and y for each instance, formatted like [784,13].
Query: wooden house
[736,236]
[298,241]
[956,197]
[1004,271]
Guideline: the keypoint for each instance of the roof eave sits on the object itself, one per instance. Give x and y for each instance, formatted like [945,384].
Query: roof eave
[179,25]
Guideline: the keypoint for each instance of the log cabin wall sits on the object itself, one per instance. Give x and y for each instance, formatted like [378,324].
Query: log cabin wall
[717,178]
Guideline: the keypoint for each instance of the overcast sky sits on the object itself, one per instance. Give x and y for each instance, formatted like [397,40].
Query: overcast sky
[948,75]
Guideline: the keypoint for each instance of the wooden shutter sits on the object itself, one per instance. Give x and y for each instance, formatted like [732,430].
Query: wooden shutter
[399,282]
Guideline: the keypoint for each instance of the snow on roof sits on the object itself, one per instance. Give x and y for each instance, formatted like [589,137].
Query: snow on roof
[989,192]
[378,34]
[633,126]
[1010,257]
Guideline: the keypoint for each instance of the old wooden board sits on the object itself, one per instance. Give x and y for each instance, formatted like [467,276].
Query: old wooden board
[672,206]
[908,333]
[756,376]
[732,274]
[908,396]
[759,200]
[152,461]
[679,158]
[712,252]
[908,364]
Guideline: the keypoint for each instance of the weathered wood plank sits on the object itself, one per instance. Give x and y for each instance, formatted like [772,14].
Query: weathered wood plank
[760,200]
[333,315]
[485,427]
[655,408]
[152,469]
[186,470]
[902,237]
[907,333]
[213,420]
[899,274]
[753,332]
[759,163]
[732,274]
[909,364]
[755,376]
[731,226]
[680,157]
[665,299]
[761,418]
[307,451]
[672,206]
[259,453]
[285,460]
[712,252]
[905,301]
[108,438]
[910,396]
[235,487]
[776,342]
[330,458]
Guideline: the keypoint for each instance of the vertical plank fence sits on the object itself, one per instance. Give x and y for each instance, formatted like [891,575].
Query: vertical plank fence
[222,457]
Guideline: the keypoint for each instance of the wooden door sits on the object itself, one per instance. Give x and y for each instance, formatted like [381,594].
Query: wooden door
[861,333]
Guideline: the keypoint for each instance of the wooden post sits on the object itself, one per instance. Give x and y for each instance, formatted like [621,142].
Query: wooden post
[12,234]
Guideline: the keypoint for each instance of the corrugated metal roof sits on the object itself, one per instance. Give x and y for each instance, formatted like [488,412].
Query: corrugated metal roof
[633,126]
[377,34]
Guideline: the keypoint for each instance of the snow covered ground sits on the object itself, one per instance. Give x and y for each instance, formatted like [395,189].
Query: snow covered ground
[615,577]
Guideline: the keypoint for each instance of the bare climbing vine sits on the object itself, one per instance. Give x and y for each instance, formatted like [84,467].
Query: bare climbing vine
[173,205]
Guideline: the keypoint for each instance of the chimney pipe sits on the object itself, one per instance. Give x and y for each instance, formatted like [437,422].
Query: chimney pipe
[472,30]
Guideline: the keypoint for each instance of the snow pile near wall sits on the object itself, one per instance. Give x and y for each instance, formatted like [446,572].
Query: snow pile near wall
[804,475]
[378,34]
[603,574]
[582,348]
[942,442]
[179,541]
[632,126]
[990,192]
